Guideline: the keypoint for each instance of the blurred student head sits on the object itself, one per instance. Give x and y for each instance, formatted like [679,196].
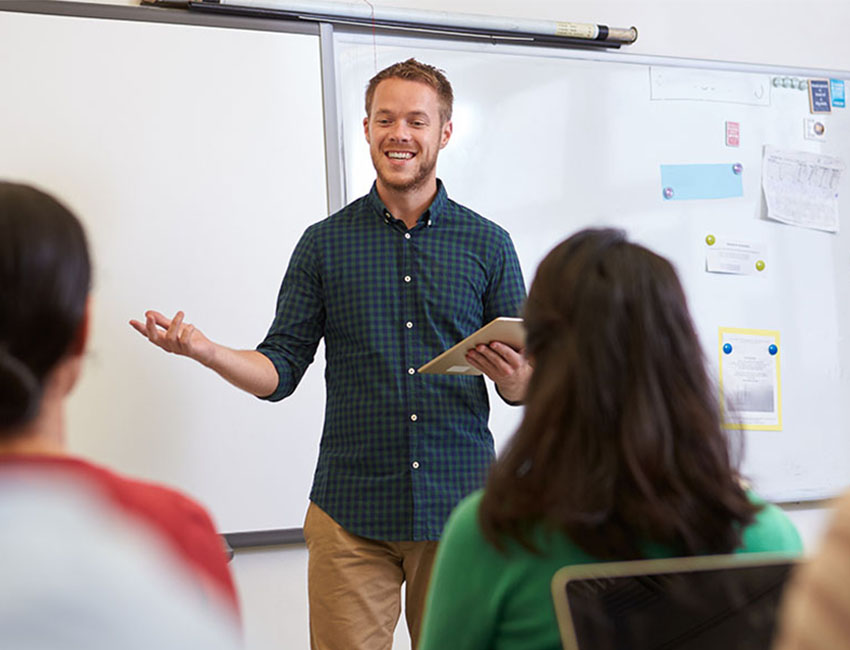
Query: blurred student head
[621,441]
[45,274]
[90,558]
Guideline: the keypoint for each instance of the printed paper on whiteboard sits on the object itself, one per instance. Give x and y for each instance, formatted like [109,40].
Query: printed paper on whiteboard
[750,386]
[735,257]
[801,189]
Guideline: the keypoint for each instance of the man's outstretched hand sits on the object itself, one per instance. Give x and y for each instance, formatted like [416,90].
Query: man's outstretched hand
[173,335]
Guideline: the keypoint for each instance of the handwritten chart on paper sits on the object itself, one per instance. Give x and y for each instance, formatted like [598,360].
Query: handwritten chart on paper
[801,189]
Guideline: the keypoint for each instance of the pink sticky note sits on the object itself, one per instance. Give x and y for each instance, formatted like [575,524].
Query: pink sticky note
[733,134]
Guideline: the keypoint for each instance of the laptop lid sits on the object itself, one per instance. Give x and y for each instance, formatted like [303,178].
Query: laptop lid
[720,602]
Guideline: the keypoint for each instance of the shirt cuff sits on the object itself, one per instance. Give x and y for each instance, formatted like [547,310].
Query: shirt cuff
[505,399]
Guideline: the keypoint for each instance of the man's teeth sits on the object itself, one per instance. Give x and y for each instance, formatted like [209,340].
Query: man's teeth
[400,155]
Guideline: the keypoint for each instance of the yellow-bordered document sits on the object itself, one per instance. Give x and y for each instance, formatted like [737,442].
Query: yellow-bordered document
[750,382]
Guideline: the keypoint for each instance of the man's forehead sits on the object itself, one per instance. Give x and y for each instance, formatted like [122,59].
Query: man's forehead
[395,85]
[402,95]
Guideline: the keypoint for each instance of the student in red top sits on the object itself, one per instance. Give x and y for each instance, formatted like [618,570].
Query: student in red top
[45,276]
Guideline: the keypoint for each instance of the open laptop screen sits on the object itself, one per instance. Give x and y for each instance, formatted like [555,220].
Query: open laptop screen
[724,602]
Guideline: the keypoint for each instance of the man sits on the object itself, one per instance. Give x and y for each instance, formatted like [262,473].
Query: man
[390,281]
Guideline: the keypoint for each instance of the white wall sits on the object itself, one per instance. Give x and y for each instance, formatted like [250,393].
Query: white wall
[802,33]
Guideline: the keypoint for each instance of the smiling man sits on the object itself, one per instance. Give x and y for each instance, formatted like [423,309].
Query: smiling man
[389,281]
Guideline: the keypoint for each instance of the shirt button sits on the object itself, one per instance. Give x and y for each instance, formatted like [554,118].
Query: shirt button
[407,278]
[414,417]
[407,235]
[409,325]
[411,371]
[415,464]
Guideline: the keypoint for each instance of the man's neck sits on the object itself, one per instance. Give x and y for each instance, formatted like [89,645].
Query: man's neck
[408,205]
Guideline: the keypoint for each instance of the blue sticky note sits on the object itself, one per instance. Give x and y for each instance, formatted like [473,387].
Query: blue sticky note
[836,87]
[687,182]
[819,95]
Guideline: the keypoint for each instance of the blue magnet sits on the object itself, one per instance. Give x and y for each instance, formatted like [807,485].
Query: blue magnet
[727,348]
[737,168]
[668,192]
[772,349]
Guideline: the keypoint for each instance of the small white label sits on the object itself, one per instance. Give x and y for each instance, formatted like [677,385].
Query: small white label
[458,369]
[814,129]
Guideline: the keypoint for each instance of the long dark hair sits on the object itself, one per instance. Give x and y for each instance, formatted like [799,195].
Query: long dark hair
[621,444]
[45,276]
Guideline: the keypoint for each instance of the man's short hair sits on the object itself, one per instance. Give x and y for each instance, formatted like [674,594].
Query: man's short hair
[413,70]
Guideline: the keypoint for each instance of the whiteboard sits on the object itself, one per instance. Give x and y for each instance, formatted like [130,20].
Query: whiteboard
[195,158]
[547,142]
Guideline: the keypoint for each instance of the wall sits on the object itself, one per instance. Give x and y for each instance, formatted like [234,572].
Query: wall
[804,33]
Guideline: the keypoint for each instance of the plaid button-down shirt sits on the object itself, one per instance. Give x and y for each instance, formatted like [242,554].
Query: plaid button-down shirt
[399,449]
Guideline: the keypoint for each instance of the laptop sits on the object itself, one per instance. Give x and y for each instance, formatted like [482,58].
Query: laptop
[720,602]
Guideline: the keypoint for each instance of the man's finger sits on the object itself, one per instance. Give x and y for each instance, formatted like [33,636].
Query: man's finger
[159,319]
[511,357]
[173,332]
[186,335]
[496,361]
[151,329]
[139,327]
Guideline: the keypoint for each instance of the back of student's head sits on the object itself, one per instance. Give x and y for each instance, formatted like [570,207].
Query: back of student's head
[621,442]
[45,275]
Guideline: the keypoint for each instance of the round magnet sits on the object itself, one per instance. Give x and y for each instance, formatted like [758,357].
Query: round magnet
[668,192]
[777,82]
[737,168]
[759,265]
[772,349]
[727,348]
[786,82]
[710,240]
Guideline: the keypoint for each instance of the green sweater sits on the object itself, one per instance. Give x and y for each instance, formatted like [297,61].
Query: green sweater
[480,598]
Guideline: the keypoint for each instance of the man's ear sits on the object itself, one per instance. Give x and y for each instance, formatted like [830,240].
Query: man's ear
[81,337]
[446,133]
[366,128]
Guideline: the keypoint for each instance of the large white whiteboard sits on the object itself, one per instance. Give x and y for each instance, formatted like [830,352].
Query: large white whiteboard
[195,157]
[546,142]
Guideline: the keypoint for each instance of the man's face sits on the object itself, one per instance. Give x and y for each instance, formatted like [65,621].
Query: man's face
[405,134]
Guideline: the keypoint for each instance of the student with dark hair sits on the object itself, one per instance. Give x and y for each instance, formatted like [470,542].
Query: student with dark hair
[620,454]
[45,276]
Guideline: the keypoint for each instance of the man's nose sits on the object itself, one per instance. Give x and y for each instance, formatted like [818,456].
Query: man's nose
[400,132]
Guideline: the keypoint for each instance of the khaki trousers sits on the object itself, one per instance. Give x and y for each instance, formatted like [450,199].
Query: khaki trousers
[354,586]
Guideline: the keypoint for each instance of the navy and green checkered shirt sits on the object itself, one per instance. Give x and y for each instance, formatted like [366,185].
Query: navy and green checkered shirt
[399,449]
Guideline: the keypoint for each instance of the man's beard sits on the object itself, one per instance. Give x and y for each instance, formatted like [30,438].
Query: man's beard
[419,178]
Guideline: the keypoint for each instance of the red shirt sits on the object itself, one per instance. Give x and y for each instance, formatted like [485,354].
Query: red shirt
[182,523]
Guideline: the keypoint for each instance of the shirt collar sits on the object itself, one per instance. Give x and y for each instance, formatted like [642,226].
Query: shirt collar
[433,213]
